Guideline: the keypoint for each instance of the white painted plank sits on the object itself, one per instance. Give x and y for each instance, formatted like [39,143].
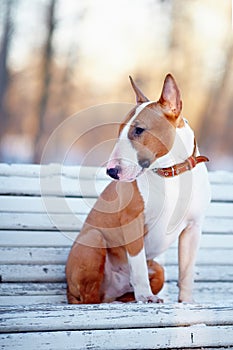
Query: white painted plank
[204,292]
[168,297]
[212,241]
[33,299]
[47,289]
[64,186]
[34,170]
[32,273]
[205,256]
[58,255]
[222,192]
[56,273]
[149,338]
[86,317]
[220,210]
[26,204]
[52,186]
[65,239]
[37,238]
[29,170]
[74,222]
[221,176]
[216,225]
[30,221]
[33,289]
[55,293]
[35,256]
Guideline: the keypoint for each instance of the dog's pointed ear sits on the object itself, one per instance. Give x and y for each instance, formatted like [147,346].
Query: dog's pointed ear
[140,97]
[170,99]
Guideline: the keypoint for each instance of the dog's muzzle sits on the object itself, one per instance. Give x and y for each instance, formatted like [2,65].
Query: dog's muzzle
[114,172]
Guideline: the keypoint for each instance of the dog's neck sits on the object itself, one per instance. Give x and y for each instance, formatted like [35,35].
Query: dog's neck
[181,149]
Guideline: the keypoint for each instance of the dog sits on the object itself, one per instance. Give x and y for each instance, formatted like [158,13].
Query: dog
[160,191]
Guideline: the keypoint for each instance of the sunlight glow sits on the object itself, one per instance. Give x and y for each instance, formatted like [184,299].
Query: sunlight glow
[116,36]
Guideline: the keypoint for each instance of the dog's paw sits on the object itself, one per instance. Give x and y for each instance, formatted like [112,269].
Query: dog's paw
[148,299]
[187,301]
[185,296]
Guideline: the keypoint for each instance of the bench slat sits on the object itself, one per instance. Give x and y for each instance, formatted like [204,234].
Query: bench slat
[59,255]
[37,238]
[35,299]
[145,338]
[47,289]
[30,221]
[65,239]
[55,293]
[85,317]
[221,176]
[24,204]
[56,273]
[74,222]
[63,186]
[51,186]
[34,170]
[25,289]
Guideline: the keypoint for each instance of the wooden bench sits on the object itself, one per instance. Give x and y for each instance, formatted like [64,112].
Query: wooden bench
[41,211]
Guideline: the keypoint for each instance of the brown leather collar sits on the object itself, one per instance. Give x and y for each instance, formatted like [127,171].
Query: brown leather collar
[180,168]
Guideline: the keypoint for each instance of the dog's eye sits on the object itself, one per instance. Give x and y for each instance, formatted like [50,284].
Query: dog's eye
[138,131]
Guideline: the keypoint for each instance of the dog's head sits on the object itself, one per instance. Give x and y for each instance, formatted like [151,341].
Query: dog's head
[147,133]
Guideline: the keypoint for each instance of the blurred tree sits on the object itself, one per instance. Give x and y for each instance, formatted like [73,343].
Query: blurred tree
[4,70]
[216,120]
[46,73]
[54,74]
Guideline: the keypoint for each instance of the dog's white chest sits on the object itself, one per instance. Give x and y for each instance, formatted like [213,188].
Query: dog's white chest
[170,205]
[159,200]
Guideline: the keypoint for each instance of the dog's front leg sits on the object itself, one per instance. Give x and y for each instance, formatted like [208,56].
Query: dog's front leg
[139,276]
[188,248]
[132,226]
[140,279]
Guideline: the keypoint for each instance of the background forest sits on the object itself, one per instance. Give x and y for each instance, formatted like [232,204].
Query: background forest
[58,58]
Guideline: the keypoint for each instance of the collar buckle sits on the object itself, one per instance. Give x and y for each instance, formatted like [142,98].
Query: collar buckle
[173,171]
[180,168]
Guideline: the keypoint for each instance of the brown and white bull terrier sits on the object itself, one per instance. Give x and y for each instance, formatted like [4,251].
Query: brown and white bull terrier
[160,193]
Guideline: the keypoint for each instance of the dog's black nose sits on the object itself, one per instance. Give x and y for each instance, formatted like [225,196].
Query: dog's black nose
[113,172]
[144,163]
